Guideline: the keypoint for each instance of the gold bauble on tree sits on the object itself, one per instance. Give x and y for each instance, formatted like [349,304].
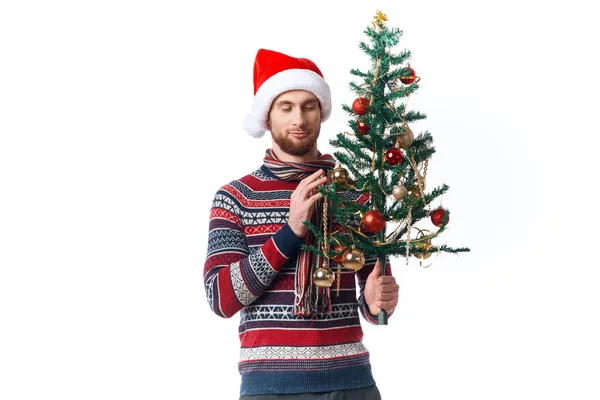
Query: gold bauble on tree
[323,277]
[415,190]
[339,176]
[354,259]
[399,192]
[423,256]
[425,246]
[405,140]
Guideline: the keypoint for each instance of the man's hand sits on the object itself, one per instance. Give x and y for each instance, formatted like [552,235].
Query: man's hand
[302,201]
[381,292]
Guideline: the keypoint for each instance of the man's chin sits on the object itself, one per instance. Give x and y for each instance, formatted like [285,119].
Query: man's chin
[295,150]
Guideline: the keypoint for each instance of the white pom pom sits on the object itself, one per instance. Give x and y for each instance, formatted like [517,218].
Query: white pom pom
[252,127]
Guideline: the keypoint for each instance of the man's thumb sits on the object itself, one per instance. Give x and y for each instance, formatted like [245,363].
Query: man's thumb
[376,269]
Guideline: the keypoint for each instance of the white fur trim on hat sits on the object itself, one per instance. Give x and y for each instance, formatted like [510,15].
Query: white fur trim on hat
[290,79]
[252,127]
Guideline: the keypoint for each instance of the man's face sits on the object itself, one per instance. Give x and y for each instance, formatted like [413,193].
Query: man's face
[295,121]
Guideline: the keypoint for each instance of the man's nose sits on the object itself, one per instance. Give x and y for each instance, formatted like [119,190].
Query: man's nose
[299,118]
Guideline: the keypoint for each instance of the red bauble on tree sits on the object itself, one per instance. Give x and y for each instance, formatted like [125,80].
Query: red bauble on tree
[373,221]
[340,257]
[437,216]
[360,106]
[362,127]
[394,156]
[407,80]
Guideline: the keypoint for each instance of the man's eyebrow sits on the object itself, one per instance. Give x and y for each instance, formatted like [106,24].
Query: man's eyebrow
[287,102]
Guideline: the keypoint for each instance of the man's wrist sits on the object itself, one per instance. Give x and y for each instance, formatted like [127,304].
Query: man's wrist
[297,231]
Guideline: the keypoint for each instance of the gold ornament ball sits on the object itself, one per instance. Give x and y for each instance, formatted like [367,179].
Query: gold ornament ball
[339,176]
[426,246]
[354,259]
[399,192]
[415,190]
[406,139]
[422,256]
[323,277]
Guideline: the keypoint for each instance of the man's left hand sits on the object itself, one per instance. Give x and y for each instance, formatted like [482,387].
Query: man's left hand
[381,292]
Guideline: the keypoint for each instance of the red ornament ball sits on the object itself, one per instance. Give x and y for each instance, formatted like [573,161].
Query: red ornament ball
[360,106]
[437,216]
[362,127]
[373,221]
[394,156]
[340,257]
[407,80]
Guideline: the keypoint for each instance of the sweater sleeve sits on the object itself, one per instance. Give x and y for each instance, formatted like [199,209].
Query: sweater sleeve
[234,276]
[362,275]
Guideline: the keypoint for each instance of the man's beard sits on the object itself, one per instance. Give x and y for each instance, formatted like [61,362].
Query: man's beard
[296,146]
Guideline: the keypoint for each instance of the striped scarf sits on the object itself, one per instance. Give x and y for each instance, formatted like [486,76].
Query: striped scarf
[310,299]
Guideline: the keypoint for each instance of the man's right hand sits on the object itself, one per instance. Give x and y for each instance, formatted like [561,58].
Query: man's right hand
[302,201]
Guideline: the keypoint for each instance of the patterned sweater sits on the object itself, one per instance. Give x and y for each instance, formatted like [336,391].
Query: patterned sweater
[250,267]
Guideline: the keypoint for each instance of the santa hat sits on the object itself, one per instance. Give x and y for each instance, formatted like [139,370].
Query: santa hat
[275,73]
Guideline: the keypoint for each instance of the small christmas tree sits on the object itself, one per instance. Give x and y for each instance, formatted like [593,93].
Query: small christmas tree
[385,164]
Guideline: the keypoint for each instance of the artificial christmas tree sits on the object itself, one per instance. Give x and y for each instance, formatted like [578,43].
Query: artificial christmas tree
[384,159]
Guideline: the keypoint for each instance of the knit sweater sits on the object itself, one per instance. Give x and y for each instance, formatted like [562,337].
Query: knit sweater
[250,266]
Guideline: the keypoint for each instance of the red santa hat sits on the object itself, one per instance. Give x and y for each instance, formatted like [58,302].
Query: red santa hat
[275,73]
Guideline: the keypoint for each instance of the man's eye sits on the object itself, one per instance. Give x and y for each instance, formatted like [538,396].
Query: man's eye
[309,108]
[286,109]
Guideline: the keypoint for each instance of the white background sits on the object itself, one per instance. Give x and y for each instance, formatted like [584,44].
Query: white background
[120,119]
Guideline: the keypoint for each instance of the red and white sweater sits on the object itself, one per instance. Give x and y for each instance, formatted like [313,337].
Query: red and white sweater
[250,268]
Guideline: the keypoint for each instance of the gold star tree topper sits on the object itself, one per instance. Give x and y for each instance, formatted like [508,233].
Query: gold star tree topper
[379,19]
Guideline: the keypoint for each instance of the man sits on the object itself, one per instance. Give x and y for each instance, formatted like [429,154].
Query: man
[297,341]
